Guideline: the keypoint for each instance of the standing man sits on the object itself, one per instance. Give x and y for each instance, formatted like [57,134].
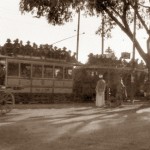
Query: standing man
[121,93]
[100,92]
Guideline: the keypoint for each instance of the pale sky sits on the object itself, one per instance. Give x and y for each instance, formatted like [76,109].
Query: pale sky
[25,27]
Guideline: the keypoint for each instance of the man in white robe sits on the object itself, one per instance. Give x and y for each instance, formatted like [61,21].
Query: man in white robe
[100,92]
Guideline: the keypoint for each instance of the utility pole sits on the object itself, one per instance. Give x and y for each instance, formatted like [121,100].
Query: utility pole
[133,54]
[102,35]
[78,30]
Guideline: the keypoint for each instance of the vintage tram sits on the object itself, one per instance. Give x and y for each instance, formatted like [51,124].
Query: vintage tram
[32,79]
[36,80]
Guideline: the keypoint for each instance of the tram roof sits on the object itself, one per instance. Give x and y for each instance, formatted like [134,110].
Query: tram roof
[111,68]
[32,58]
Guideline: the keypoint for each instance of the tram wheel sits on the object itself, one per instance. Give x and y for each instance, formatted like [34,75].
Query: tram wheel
[6,102]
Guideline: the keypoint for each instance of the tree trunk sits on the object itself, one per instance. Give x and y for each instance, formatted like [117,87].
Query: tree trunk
[147,85]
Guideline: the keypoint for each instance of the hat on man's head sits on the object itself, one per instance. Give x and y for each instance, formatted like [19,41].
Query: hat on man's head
[100,76]
[8,40]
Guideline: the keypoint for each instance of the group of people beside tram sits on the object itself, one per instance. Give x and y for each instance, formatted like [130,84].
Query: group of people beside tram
[45,51]
[103,93]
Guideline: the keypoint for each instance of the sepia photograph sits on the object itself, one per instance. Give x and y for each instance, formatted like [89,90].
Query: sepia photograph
[74,74]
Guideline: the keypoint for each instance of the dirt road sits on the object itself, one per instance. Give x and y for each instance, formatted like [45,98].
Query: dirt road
[76,127]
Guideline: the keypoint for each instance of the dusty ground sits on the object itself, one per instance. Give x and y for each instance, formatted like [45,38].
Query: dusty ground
[76,127]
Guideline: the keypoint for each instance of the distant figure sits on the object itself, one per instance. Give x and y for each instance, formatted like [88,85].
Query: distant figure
[8,48]
[100,92]
[16,47]
[28,49]
[121,93]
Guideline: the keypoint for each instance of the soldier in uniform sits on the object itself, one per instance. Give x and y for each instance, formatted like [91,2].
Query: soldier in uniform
[21,50]
[73,58]
[46,50]
[8,48]
[64,53]
[55,52]
[28,49]
[41,51]
[16,47]
[59,53]
[68,55]
[50,52]
[34,49]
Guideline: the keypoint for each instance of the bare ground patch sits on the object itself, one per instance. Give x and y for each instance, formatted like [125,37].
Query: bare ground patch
[75,127]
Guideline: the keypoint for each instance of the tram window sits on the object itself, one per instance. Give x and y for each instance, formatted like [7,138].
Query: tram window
[13,69]
[92,73]
[88,72]
[25,70]
[58,72]
[68,73]
[37,71]
[48,71]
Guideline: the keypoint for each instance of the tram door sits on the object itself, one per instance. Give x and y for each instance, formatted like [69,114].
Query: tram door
[25,78]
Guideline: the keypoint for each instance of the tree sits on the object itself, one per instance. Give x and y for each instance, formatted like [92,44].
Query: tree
[115,12]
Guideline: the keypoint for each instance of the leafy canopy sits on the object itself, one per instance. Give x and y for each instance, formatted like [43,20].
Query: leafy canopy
[115,12]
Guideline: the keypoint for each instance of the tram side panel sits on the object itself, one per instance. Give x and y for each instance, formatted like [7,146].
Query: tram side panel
[52,86]
[63,86]
[19,85]
[29,87]
[42,86]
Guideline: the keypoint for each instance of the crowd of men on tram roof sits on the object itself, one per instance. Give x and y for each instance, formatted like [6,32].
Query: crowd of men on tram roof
[46,51]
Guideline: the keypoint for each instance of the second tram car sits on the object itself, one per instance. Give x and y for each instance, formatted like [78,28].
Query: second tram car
[86,77]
